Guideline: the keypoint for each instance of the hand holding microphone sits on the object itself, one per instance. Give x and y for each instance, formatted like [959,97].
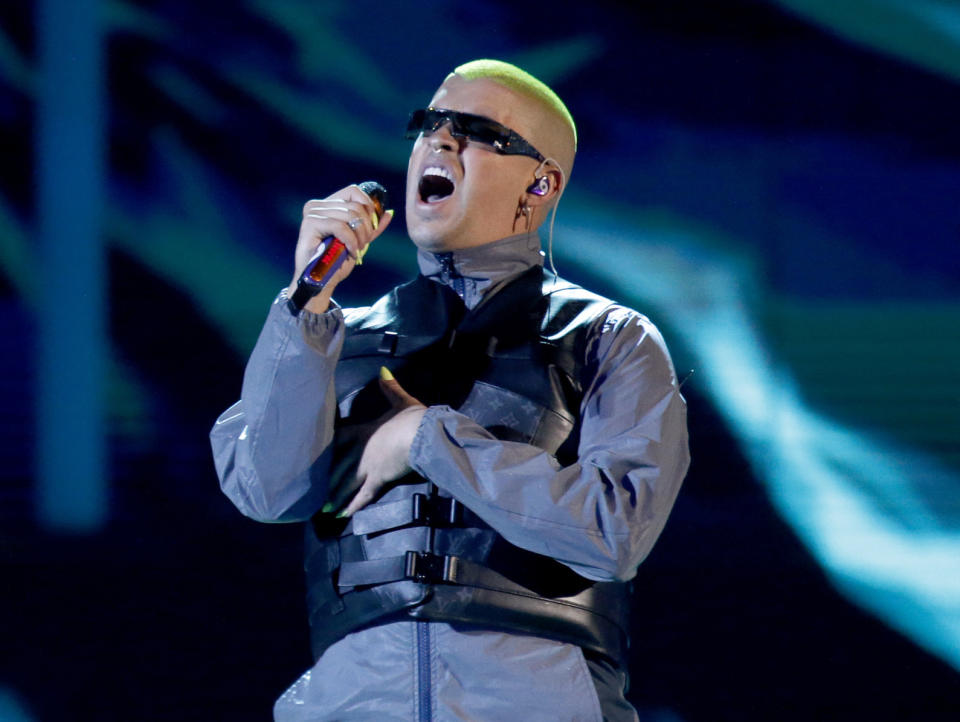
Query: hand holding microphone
[334,235]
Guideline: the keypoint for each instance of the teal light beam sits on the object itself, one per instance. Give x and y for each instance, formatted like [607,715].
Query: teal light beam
[11,707]
[924,32]
[70,452]
[856,501]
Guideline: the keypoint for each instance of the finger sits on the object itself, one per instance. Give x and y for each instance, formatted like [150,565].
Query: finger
[354,194]
[351,192]
[359,218]
[362,217]
[342,208]
[395,393]
[337,204]
[384,221]
[364,496]
[363,221]
[380,228]
[321,226]
[353,198]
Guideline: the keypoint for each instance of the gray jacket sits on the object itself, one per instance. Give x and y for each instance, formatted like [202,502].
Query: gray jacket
[600,516]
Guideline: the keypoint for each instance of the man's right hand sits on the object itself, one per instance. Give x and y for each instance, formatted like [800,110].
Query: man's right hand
[332,216]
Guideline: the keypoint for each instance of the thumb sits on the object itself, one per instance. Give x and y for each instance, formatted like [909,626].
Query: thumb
[394,392]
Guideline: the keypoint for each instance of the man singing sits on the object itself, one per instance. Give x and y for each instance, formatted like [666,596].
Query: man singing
[483,457]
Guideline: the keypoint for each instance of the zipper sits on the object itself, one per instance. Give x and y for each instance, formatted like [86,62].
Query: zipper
[424,666]
[424,691]
[449,275]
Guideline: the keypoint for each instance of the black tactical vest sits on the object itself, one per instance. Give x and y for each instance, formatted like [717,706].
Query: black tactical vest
[515,365]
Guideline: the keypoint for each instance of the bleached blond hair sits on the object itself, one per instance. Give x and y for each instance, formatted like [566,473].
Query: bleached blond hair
[522,82]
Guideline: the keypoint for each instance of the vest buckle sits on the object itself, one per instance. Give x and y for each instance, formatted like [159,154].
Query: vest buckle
[388,343]
[436,511]
[429,568]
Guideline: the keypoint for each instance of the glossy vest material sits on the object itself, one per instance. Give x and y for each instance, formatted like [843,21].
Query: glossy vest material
[515,366]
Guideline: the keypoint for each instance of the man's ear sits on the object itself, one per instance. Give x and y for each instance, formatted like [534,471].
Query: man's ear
[545,187]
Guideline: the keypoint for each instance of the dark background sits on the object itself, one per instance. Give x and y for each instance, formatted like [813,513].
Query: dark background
[774,184]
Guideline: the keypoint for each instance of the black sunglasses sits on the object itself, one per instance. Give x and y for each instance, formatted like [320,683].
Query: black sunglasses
[476,128]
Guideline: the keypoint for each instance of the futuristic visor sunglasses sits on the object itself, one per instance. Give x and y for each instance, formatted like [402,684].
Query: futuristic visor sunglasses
[476,128]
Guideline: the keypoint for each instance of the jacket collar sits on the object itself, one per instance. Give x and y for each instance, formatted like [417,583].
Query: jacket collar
[476,272]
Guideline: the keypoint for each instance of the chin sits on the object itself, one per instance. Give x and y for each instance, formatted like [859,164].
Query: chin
[431,244]
[428,238]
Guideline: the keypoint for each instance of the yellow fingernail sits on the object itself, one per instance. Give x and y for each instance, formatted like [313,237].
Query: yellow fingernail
[390,212]
[374,221]
[385,374]
[361,253]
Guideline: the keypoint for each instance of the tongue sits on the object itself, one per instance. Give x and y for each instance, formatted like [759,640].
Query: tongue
[435,188]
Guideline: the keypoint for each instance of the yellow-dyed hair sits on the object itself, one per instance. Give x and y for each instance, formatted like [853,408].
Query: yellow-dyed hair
[519,80]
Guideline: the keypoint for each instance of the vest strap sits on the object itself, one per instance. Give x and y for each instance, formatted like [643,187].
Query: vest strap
[421,567]
[419,509]
[429,568]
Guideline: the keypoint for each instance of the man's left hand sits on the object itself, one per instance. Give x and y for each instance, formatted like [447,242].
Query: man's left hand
[385,458]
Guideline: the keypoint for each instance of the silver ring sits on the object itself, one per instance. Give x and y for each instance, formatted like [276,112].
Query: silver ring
[354,223]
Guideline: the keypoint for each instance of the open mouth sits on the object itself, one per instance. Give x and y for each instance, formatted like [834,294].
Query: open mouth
[435,184]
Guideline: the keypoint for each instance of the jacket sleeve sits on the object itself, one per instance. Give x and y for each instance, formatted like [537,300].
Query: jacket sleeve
[601,515]
[270,447]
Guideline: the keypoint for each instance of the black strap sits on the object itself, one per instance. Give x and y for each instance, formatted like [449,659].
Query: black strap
[384,343]
[389,515]
[421,567]
[420,509]
[375,571]
[429,568]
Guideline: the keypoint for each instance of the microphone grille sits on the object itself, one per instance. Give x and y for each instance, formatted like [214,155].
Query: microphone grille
[377,193]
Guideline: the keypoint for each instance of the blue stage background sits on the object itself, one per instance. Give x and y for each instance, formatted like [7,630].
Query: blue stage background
[776,184]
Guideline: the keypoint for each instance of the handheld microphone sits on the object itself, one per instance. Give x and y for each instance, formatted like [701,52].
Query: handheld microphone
[330,255]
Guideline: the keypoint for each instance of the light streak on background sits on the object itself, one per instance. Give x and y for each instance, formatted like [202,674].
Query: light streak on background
[71,439]
[861,505]
[12,709]
[926,32]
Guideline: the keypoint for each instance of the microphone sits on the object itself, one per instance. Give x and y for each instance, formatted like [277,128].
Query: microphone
[330,255]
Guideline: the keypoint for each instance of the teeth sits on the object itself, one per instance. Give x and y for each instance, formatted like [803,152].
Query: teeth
[436,170]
